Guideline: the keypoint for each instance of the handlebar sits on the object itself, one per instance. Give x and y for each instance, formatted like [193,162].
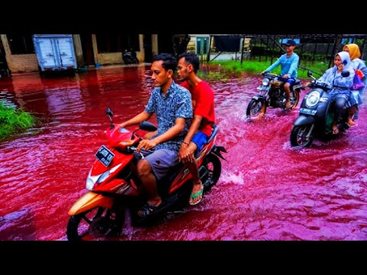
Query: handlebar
[319,84]
[270,75]
[132,149]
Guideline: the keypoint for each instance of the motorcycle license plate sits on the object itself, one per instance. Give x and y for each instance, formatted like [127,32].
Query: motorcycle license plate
[104,155]
[262,88]
[308,111]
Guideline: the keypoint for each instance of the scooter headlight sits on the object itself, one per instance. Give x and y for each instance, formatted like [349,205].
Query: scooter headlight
[104,176]
[91,180]
[265,82]
[312,99]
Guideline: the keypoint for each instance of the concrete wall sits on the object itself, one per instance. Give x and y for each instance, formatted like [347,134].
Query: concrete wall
[105,58]
[109,58]
[22,63]
[140,54]
[28,62]
[78,50]
[19,63]
[155,44]
[115,57]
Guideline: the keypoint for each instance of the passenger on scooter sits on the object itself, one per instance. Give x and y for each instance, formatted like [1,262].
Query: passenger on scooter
[173,108]
[204,118]
[289,66]
[357,64]
[341,85]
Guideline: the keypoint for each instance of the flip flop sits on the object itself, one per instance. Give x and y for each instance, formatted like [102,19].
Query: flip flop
[196,197]
[335,131]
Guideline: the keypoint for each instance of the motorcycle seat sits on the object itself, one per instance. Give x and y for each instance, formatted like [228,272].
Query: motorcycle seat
[166,181]
[214,133]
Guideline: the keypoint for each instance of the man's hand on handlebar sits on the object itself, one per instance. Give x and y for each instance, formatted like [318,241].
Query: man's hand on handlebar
[146,144]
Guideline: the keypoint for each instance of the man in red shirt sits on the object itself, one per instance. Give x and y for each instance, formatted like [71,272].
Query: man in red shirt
[202,124]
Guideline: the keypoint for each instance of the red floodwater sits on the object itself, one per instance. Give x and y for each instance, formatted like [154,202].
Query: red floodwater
[267,191]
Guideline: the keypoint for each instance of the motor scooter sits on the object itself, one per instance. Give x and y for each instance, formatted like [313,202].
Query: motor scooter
[271,94]
[316,115]
[113,187]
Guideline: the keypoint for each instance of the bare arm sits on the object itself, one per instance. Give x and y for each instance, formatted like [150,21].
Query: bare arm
[186,152]
[193,128]
[169,134]
[136,119]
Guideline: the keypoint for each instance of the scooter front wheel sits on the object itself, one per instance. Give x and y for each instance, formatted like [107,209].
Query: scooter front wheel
[302,136]
[255,109]
[89,224]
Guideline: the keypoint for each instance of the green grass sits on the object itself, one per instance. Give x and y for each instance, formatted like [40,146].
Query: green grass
[222,70]
[13,121]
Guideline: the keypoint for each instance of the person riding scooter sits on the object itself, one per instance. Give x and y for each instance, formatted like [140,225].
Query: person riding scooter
[322,112]
[289,65]
[341,85]
[203,121]
[115,190]
[173,107]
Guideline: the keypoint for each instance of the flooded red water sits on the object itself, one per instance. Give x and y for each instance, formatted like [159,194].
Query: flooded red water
[267,191]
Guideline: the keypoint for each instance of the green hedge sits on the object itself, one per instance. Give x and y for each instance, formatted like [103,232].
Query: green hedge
[13,121]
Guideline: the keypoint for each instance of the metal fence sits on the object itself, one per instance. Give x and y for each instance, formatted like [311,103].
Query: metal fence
[312,47]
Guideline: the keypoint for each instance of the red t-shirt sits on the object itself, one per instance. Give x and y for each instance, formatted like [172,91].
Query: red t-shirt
[203,103]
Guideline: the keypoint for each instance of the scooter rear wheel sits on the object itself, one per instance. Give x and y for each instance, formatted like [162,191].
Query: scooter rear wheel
[213,169]
[255,109]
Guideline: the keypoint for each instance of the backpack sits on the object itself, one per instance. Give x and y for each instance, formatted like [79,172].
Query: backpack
[357,80]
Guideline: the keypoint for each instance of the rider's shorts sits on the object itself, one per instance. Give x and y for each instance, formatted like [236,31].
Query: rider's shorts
[161,161]
[200,139]
[290,81]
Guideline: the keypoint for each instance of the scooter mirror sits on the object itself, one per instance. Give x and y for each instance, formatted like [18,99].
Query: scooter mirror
[147,126]
[345,73]
[309,73]
[109,112]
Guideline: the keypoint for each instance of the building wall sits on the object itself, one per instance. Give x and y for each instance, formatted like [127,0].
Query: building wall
[109,58]
[20,63]
[140,54]
[28,62]
[155,44]
[78,50]
[115,57]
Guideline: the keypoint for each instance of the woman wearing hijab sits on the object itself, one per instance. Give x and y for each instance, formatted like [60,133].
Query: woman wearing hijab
[360,67]
[341,85]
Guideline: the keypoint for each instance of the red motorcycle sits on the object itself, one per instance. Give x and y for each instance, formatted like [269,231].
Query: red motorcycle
[114,187]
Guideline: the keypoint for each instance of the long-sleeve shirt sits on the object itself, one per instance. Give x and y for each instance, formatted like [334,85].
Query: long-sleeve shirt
[289,65]
[339,83]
